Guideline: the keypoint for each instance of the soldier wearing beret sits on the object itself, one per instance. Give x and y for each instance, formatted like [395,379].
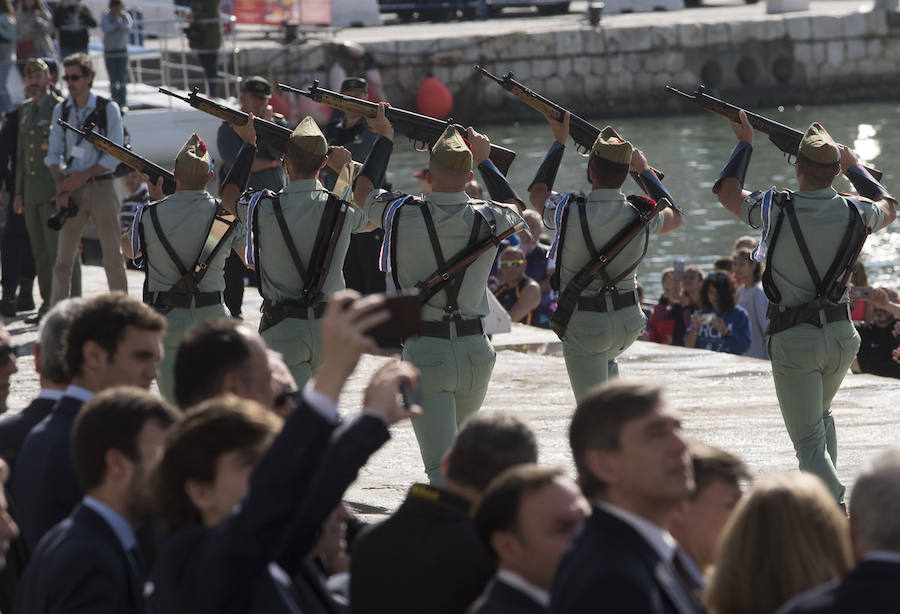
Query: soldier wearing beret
[608,317]
[454,356]
[267,172]
[809,238]
[283,231]
[34,185]
[177,236]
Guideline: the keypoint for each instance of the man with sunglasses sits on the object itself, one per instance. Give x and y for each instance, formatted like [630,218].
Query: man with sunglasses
[518,294]
[83,176]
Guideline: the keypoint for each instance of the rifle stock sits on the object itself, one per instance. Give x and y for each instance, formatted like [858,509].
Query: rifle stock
[126,156]
[784,137]
[583,132]
[419,128]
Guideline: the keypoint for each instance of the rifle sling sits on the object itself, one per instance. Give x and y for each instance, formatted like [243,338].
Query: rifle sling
[609,282]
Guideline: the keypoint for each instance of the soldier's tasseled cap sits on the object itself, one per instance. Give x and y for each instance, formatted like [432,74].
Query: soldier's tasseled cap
[194,159]
[308,138]
[818,146]
[610,146]
[36,65]
[452,152]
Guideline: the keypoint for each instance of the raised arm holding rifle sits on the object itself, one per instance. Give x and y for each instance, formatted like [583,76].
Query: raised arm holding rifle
[424,242]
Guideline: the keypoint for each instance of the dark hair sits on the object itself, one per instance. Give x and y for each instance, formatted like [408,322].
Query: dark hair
[487,445]
[112,420]
[607,174]
[499,509]
[193,448]
[757,266]
[715,464]
[82,61]
[50,335]
[724,285]
[722,264]
[206,354]
[818,175]
[103,320]
[598,421]
[303,161]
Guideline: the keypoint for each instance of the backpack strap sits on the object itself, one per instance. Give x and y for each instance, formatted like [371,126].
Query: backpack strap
[289,240]
[154,217]
[804,248]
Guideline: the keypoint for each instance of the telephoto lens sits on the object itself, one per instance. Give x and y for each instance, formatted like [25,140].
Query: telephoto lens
[59,218]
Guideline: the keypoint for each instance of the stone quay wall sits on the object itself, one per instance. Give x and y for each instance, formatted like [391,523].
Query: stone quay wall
[622,70]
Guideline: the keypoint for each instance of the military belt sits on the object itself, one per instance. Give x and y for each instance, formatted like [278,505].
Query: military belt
[273,312]
[169,300]
[598,302]
[443,328]
[811,313]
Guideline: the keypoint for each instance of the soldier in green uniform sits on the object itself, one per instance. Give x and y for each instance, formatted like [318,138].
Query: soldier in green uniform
[452,353]
[608,318]
[810,238]
[34,185]
[288,238]
[178,236]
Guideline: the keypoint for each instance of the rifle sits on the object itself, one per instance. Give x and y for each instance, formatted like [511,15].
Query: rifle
[126,156]
[583,132]
[275,135]
[784,137]
[421,129]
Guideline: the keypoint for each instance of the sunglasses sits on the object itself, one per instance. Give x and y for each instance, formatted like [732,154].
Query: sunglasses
[8,352]
[508,264]
[282,398]
[68,78]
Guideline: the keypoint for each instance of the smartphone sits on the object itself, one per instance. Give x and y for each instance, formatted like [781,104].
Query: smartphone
[411,396]
[405,320]
[860,292]
[678,265]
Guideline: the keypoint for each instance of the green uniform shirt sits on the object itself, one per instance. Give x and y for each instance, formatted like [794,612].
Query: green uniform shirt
[33,180]
[303,204]
[607,214]
[823,219]
[185,218]
[453,220]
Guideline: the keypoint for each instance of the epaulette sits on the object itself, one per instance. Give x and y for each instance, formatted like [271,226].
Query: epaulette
[385,197]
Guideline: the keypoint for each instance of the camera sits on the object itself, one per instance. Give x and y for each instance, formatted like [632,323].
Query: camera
[59,218]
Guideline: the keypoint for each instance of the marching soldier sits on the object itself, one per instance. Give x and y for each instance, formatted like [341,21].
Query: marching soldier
[608,316]
[184,243]
[812,340]
[452,353]
[34,185]
[297,240]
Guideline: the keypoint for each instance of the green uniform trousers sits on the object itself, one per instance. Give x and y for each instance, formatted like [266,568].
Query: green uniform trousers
[178,322]
[808,365]
[300,344]
[454,376]
[592,341]
[44,242]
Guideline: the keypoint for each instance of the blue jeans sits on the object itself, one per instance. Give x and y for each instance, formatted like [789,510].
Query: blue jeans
[117,67]
[5,101]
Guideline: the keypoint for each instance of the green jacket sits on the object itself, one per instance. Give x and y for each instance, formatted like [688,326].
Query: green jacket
[33,180]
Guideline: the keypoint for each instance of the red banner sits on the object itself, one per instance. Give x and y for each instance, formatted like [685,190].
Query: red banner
[271,12]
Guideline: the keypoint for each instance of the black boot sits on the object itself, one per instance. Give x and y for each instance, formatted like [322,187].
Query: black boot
[8,303]
[25,300]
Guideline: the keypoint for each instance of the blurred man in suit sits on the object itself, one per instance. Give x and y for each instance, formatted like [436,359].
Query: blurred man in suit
[526,519]
[433,546]
[875,531]
[113,340]
[634,465]
[48,362]
[91,562]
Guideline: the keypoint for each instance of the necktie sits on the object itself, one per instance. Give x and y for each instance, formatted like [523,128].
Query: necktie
[687,580]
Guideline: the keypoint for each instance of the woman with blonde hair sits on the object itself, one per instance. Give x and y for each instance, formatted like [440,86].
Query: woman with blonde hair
[785,537]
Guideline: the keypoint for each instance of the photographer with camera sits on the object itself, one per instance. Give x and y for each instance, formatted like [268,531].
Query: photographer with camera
[810,247]
[880,338]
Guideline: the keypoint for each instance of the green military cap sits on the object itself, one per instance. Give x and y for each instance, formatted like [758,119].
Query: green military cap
[307,137]
[451,151]
[257,86]
[194,160]
[36,65]
[610,146]
[818,146]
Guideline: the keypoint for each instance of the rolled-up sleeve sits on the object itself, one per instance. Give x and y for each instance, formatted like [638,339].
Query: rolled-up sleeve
[57,146]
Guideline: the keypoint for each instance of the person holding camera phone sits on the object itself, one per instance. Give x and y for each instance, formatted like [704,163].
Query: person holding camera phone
[721,326]
[297,240]
[880,338]
[810,241]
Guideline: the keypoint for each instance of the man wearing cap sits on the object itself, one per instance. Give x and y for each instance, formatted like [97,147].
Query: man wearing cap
[812,340]
[352,132]
[174,235]
[454,356]
[34,185]
[608,317]
[266,174]
[302,213]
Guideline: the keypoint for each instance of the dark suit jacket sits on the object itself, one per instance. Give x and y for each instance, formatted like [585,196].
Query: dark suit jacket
[81,567]
[15,428]
[502,598]
[230,567]
[424,558]
[872,587]
[610,567]
[44,483]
